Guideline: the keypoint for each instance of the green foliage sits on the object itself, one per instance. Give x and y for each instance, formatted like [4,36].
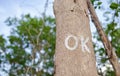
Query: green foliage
[116,7]
[30,47]
[92,1]
[96,3]
[113,5]
[2,43]
[99,3]
[103,60]
[110,72]
[113,31]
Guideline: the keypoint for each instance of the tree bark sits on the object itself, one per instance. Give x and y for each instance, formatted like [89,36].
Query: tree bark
[74,54]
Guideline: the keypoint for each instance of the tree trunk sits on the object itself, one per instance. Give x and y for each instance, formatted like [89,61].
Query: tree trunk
[74,54]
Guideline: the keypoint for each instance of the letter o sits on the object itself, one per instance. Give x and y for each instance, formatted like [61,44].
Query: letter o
[76,42]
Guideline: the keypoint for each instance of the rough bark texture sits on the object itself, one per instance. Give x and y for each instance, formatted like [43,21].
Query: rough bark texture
[72,20]
[109,50]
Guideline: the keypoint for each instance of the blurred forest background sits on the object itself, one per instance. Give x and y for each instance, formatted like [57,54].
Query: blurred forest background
[29,48]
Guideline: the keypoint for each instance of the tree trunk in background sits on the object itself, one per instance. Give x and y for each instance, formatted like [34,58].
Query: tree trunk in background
[107,45]
[74,54]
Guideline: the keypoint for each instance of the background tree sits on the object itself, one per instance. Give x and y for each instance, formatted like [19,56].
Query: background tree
[111,25]
[30,48]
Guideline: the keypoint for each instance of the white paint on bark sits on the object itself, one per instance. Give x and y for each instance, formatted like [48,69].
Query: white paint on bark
[67,41]
[83,42]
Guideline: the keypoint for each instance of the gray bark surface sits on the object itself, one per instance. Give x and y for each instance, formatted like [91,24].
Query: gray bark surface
[72,20]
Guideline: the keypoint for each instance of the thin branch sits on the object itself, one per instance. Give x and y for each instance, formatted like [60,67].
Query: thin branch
[107,45]
[44,14]
[28,30]
[45,8]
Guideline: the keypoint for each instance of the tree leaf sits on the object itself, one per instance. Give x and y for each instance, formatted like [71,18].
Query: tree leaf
[114,5]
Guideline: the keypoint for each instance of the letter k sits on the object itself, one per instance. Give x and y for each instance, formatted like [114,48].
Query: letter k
[83,44]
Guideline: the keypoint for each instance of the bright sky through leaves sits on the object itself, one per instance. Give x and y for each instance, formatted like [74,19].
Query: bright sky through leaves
[15,8]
